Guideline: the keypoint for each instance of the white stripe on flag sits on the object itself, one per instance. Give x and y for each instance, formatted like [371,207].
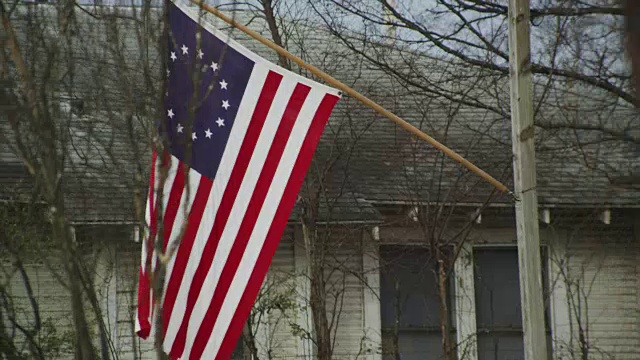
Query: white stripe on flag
[193,181]
[263,223]
[147,218]
[238,131]
[166,191]
[245,192]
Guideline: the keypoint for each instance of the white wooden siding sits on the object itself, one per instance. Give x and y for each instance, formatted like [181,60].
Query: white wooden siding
[603,262]
[345,294]
[54,304]
[281,280]
[345,302]
[130,346]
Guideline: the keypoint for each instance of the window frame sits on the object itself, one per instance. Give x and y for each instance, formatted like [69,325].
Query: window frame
[428,330]
[548,299]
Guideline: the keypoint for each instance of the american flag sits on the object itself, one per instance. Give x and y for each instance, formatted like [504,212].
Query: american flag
[252,137]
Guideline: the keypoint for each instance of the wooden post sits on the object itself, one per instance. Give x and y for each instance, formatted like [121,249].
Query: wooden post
[524,173]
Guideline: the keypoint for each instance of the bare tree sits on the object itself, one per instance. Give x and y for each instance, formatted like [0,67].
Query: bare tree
[274,307]
[632,33]
[34,121]
[69,106]
[455,51]
[19,227]
[582,82]
[475,33]
[440,201]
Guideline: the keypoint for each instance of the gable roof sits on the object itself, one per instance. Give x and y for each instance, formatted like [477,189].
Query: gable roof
[373,161]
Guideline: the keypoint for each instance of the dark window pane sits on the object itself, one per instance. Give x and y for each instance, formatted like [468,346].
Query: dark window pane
[238,351]
[408,288]
[497,289]
[413,345]
[498,308]
[409,300]
[500,347]
[505,346]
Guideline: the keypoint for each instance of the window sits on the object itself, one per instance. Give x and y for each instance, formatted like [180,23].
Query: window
[498,308]
[239,351]
[409,304]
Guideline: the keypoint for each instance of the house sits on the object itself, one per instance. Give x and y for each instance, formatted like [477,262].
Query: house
[409,240]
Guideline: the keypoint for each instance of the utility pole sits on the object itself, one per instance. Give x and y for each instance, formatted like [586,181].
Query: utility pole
[524,175]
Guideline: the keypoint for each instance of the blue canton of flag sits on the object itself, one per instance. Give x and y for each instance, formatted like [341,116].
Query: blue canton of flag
[224,75]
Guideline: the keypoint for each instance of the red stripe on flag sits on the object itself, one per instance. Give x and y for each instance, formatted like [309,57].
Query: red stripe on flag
[277,227]
[263,106]
[153,221]
[173,204]
[143,279]
[251,216]
[165,163]
[184,250]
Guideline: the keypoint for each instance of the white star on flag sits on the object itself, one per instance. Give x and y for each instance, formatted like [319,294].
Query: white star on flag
[200,53]
[193,136]
[220,122]
[214,66]
[170,113]
[223,84]
[185,49]
[225,104]
[208,133]
[179,128]
[173,56]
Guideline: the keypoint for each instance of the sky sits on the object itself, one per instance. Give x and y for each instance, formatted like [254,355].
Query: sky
[593,37]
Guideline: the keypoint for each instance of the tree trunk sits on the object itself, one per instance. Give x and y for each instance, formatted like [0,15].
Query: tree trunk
[632,32]
[158,282]
[318,294]
[318,308]
[444,307]
[7,347]
[84,347]
[249,338]
[267,6]
[396,323]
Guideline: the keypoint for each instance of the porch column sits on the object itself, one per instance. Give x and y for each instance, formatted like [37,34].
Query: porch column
[305,348]
[465,304]
[371,272]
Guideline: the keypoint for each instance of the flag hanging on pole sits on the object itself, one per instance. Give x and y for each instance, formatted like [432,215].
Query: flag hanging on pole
[247,148]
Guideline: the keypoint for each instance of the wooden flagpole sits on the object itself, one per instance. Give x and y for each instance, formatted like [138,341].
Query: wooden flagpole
[353,93]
